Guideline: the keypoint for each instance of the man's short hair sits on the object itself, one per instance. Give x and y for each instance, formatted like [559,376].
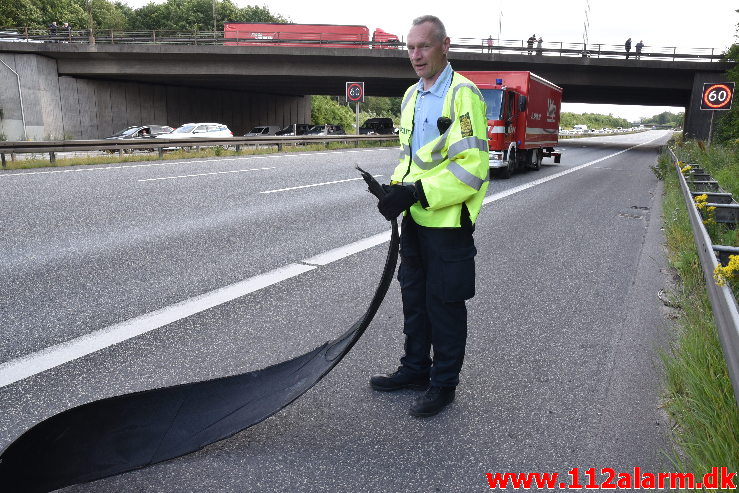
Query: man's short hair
[439,29]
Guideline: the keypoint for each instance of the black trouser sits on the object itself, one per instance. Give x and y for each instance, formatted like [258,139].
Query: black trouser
[436,275]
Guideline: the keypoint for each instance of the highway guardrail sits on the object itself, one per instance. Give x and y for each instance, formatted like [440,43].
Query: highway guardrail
[54,146]
[723,301]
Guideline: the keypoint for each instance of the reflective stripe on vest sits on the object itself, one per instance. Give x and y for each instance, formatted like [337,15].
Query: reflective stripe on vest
[437,157]
[465,176]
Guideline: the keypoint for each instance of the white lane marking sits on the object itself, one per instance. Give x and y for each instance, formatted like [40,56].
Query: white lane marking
[207,174]
[27,366]
[531,184]
[51,357]
[314,185]
[341,252]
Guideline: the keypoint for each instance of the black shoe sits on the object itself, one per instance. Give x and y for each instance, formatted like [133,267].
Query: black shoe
[398,380]
[432,402]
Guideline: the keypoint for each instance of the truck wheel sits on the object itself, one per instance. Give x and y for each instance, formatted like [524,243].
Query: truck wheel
[510,165]
[537,159]
[524,161]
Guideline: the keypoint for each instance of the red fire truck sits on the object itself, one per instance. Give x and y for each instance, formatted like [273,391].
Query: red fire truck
[523,119]
[306,35]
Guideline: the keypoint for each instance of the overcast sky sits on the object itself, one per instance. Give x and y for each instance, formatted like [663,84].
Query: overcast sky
[709,24]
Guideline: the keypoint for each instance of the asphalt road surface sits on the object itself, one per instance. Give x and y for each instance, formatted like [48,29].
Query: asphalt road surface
[562,367]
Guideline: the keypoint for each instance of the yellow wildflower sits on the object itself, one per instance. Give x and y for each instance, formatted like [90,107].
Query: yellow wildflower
[722,274]
[700,201]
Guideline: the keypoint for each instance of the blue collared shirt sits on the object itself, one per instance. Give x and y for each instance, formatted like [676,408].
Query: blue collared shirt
[428,108]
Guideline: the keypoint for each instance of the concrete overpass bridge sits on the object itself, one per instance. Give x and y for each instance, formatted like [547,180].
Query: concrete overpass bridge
[89,91]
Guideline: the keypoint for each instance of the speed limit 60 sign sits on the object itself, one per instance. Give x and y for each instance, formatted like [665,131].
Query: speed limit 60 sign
[355,92]
[717,95]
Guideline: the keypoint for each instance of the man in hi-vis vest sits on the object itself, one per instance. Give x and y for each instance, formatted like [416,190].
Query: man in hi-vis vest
[439,185]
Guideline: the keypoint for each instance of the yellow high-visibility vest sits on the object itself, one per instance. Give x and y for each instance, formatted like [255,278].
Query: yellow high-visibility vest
[453,168]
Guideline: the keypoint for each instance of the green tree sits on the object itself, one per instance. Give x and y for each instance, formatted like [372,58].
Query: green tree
[105,15]
[665,118]
[325,109]
[71,11]
[191,15]
[592,120]
[727,127]
[20,13]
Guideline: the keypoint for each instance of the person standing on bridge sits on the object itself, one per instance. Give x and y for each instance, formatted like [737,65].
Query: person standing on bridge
[440,183]
[67,31]
[639,47]
[627,47]
[530,43]
[52,31]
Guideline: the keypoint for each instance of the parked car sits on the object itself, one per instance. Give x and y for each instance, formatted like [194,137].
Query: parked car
[198,130]
[327,129]
[262,130]
[294,129]
[141,132]
[382,126]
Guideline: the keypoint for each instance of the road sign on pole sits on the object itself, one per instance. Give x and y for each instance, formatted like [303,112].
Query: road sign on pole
[717,95]
[355,92]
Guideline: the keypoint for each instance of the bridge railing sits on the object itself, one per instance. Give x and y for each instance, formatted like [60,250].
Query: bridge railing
[11,148]
[479,45]
[589,50]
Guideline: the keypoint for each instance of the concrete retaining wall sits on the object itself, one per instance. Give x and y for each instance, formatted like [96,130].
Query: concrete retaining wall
[65,107]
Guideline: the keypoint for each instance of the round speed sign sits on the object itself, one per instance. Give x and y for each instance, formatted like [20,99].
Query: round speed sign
[717,96]
[355,92]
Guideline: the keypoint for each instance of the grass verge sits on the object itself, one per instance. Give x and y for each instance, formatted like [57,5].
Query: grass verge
[699,395]
[208,152]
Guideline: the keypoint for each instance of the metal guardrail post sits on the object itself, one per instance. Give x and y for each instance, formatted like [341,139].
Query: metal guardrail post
[52,157]
[723,303]
[2,157]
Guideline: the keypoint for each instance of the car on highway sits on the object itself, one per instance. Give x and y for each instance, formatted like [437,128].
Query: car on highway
[262,130]
[198,130]
[141,132]
[294,129]
[383,126]
[327,129]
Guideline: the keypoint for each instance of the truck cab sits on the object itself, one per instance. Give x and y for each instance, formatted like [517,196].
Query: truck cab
[523,119]
[503,113]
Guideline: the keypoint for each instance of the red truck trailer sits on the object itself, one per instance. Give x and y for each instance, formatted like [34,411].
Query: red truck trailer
[523,119]
[305,35]
[383,40]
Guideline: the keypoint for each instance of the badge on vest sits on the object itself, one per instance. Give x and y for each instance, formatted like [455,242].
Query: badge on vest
[466,124]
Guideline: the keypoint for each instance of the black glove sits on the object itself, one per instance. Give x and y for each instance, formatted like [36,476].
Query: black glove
[397,199]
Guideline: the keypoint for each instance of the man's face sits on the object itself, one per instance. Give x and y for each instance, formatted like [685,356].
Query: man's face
[426,52]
